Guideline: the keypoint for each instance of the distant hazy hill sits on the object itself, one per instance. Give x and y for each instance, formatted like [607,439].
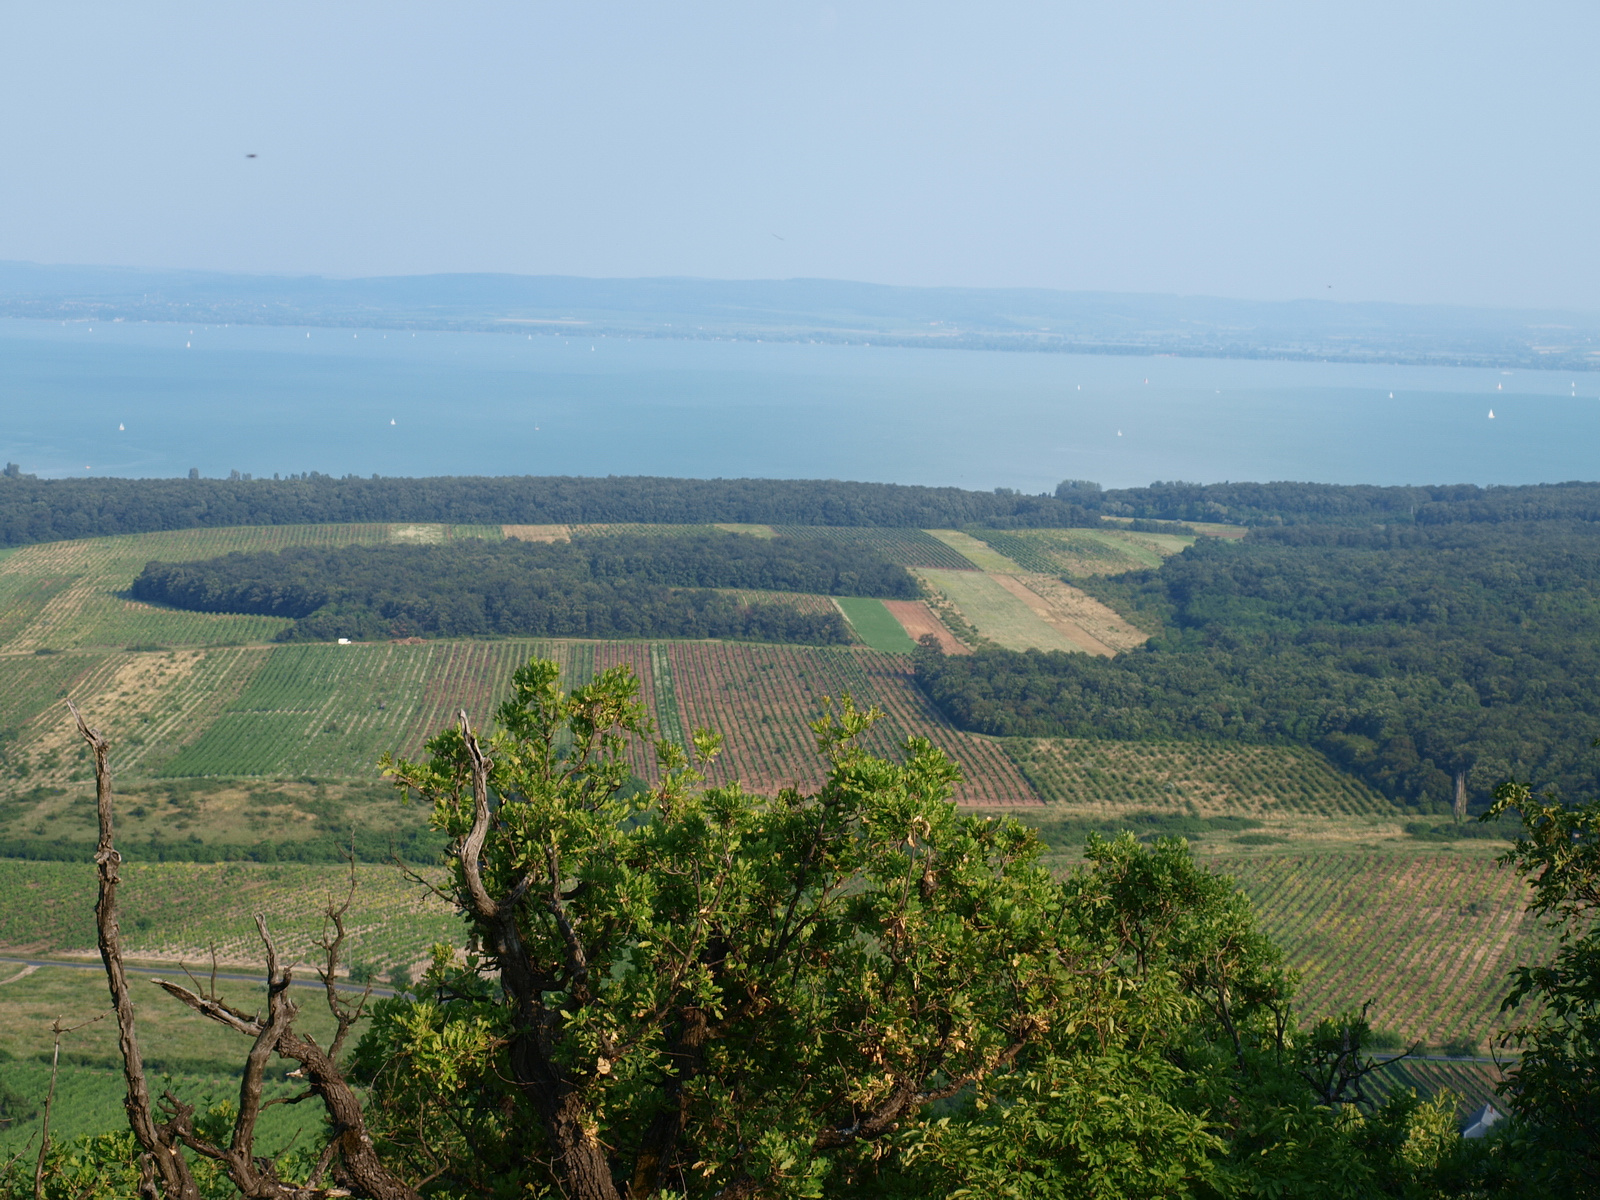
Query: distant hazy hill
[823,310]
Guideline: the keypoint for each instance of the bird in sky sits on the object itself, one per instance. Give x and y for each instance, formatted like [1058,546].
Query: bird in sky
[780,238]
[251,156]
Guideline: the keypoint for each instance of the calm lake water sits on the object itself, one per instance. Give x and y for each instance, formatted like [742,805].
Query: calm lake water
[265,400]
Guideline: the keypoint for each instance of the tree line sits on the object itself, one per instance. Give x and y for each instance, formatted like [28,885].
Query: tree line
[609,586]
[1411,655]
[44,510]
[1338,504]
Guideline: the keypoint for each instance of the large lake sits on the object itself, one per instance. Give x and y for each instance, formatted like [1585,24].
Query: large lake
[158,399]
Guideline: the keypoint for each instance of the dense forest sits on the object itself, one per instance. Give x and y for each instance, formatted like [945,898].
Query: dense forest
[1407,654]
[613,586]
[44,510]
[1339,504]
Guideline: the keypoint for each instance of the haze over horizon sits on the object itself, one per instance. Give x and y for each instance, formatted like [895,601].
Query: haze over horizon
[1437,155]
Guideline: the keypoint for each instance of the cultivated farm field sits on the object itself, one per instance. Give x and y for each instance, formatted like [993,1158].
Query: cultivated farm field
[172,911]
[875,624]
[68,595]
[762,698]
[1430,935]
[1098,778]
[1083,551]
[908,547]
[997,613]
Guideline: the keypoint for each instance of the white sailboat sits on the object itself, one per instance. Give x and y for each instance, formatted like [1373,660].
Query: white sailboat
[1491,414]
[121,428]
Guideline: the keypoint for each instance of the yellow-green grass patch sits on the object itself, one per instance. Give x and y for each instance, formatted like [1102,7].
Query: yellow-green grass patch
[995,613]
[908,547]
[875,625]
[1087,551]
[1208,528]
[980,554]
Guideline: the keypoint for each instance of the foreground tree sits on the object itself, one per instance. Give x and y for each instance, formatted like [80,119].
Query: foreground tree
[709,991]
[1554,1091]
[694,991]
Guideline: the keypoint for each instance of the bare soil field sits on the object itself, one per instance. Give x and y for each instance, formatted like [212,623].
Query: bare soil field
[919,621]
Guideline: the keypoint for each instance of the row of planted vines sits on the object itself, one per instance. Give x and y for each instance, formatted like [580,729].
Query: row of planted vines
[179,910]
[908,547]
[762,698]
[1430,936]
[1107,775]
[1474,1082]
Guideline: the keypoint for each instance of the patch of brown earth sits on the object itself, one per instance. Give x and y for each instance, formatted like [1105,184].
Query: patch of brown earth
[918,619]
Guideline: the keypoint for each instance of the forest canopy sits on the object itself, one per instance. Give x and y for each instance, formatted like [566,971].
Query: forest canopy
[1407,654]
[610,586]
[46,510]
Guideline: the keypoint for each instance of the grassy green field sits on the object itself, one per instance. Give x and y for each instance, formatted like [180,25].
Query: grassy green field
[980,554]
[995,613]
[875,625]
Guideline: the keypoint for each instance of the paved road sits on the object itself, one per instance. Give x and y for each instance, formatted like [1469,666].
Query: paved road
[176,974]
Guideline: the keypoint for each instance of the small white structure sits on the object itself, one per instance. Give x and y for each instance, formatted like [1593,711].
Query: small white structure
[344,641]
[1480,1122]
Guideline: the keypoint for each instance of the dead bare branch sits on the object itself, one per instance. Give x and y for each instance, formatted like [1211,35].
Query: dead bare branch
[161,1157]
[58,1029]
[345,1015]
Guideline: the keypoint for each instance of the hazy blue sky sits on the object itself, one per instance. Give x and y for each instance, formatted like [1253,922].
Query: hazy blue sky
[1398,151]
